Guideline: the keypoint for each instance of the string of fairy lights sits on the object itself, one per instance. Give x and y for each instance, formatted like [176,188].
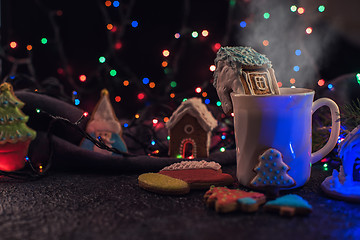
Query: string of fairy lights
[113,70]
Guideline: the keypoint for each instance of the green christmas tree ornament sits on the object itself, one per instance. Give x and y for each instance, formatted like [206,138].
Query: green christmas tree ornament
[15,135]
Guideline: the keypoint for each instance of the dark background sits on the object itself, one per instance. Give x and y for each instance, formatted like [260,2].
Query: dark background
[84,37]
[77,36]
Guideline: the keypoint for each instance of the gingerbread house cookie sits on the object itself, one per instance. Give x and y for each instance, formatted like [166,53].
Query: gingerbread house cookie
[350,154]
[242,70]
[104,126]
[345,183]
[190,129]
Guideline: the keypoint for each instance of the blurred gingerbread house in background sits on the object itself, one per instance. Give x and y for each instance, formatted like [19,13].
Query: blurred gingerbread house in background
[345,183]
[349,151]
[190,129]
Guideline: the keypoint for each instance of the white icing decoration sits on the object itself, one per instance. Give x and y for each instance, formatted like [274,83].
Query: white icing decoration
[195,108]
[342,184]
[237,57]
[188,129]
[349,150]
[193,165]
[266,80]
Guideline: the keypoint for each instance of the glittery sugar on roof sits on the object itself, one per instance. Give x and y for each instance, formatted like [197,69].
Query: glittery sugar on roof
[244,56]
[240,57]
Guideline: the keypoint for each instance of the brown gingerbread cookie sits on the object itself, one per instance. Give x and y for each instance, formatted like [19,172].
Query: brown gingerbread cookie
[289,205]
[227,200]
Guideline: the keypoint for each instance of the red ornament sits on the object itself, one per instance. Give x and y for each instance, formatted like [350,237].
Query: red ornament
[141,96]
[12,156]
[118,45]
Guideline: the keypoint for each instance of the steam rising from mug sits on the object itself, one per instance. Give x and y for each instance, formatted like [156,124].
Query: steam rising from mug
[285,32]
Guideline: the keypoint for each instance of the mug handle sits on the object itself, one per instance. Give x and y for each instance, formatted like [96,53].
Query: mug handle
[335,127]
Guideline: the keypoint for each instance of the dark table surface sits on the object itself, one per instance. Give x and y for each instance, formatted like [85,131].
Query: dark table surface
[73,205]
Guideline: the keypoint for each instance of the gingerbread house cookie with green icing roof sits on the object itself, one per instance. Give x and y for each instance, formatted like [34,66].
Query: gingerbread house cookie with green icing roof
[15,135]
[345,183]
[245,71]
[190,129]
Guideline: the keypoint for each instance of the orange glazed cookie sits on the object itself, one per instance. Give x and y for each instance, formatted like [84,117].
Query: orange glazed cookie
[159,183]
[228,200]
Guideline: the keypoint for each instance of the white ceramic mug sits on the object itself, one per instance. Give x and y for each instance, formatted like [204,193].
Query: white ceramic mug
[283,122]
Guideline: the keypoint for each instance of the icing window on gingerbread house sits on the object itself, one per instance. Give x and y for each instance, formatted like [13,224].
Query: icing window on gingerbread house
[356,170]
[189,129]
[260,82]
